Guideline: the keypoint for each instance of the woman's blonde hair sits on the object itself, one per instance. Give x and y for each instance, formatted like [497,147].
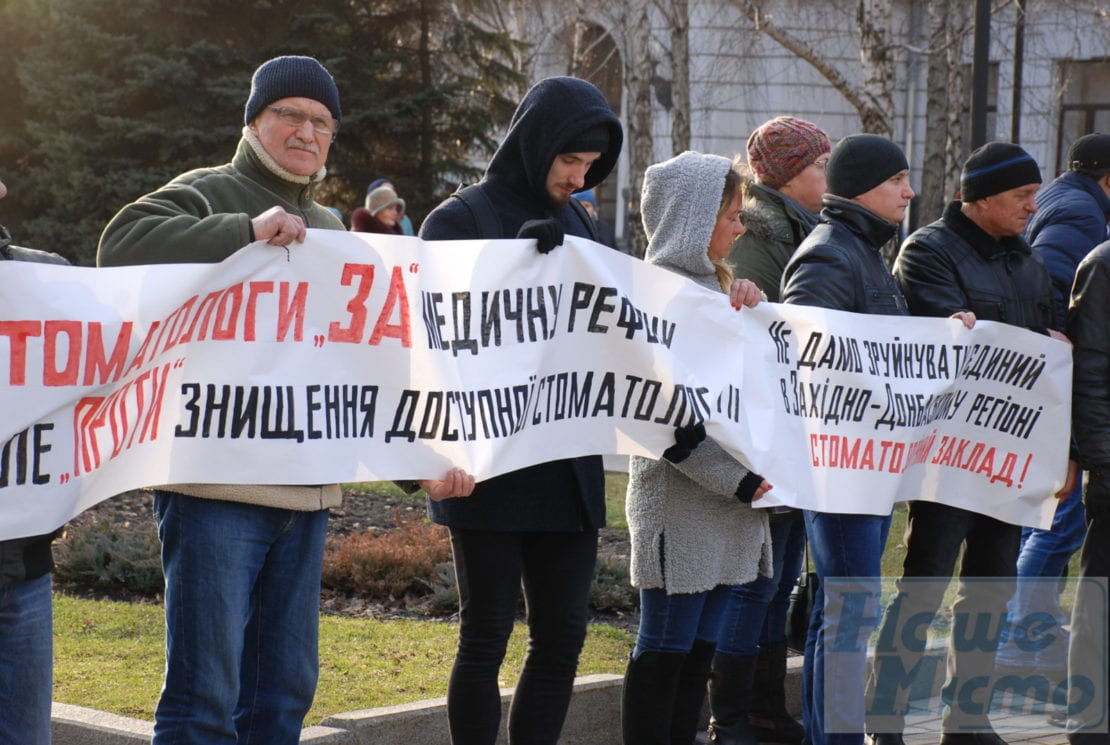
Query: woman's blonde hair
[736,182]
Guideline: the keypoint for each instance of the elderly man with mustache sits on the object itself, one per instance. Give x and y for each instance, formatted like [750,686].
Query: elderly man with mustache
[242,563]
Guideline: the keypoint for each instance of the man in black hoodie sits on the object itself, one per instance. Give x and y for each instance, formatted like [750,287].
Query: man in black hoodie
[26,619]
[537,526]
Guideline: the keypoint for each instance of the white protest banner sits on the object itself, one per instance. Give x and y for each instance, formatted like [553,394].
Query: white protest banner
[850,413]
[357,357]
[350,357]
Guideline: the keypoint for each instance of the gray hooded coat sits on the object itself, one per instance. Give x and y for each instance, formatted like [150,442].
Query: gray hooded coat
[689,531]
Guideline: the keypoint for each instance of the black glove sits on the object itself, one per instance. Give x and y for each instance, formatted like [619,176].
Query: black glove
[1096,494]
[685,440]
[547,233]
[747,488]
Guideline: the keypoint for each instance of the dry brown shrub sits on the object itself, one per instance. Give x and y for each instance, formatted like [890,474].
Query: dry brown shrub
[388,564]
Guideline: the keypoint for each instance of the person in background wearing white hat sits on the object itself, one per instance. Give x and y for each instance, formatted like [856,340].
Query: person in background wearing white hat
[382,213]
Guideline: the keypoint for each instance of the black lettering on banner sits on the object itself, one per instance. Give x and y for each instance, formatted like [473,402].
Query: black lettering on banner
[346,411]
[606,302]
[21,457]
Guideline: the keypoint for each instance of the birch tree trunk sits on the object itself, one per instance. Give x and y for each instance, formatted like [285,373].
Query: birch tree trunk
[637,78]
[679,19]
[945,103]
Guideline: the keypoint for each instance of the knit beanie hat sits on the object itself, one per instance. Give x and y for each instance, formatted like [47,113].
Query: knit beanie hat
[861,162]
[382,197]
[291,77]
[783,147]
[994,168]
[1090,153]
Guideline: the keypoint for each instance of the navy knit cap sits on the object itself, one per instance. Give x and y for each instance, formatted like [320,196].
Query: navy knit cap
[859,163]
[291,77]
[1090,153]
[997,167]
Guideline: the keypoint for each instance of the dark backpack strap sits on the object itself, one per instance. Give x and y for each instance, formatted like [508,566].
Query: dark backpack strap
[584,216]
[481,209]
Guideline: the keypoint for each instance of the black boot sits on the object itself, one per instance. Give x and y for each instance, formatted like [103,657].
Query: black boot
[730,699]
[769,718]
[691,693]
[647,702]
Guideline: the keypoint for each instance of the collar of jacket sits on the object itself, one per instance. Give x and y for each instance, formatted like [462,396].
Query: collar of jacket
[772,215]
[250,160]
[1089,185]
[874,230]
[977,238]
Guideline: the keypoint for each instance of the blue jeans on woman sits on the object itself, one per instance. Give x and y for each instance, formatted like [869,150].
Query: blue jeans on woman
[840,546]
[756,611]
[671,623]
[242,620]
[26,662]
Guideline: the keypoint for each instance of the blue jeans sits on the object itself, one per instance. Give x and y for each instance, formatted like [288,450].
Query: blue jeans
[671,623]
[242,620]
[26,659]
[1045,553]
[841,546]
[756,612]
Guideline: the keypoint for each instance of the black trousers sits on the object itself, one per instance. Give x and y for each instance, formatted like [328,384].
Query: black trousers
[1090,642]
[555,571]
[935,534]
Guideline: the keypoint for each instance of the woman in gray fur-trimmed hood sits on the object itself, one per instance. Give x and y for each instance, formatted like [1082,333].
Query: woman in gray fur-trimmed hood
[694,532]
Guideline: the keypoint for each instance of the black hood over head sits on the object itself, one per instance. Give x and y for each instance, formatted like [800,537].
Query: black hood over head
[555,113]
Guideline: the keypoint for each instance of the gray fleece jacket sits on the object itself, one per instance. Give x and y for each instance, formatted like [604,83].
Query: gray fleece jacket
[689,531]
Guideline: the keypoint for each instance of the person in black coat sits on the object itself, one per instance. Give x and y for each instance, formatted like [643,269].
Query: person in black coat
[26,614]
[536,526]
[1088,327]
[971,261]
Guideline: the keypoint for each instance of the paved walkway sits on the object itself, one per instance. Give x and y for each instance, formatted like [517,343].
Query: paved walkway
[1022,721]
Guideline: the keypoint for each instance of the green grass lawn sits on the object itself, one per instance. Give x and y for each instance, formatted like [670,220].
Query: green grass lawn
[109,656]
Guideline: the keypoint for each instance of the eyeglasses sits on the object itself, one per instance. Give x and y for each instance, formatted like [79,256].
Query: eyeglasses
[820,163]
[297,118]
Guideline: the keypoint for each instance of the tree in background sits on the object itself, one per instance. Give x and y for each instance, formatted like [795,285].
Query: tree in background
[112,99]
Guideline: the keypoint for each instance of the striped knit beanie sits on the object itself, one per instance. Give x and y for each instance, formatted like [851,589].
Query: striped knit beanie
[994,168]
[781,148]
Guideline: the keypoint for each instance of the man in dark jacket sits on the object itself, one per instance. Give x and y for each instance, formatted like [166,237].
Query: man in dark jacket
[26,615]
[1088,327]
[972,260]
[538,525]
[1071,218]
[840,266]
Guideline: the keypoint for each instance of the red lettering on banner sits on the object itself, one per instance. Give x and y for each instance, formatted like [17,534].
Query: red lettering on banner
[18,333]
[396,297]
[125,417]
[291,311]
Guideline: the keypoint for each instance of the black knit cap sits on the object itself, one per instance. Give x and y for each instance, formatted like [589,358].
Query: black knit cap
[997,167]
[1090,153]
[861,162]
[291,77]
